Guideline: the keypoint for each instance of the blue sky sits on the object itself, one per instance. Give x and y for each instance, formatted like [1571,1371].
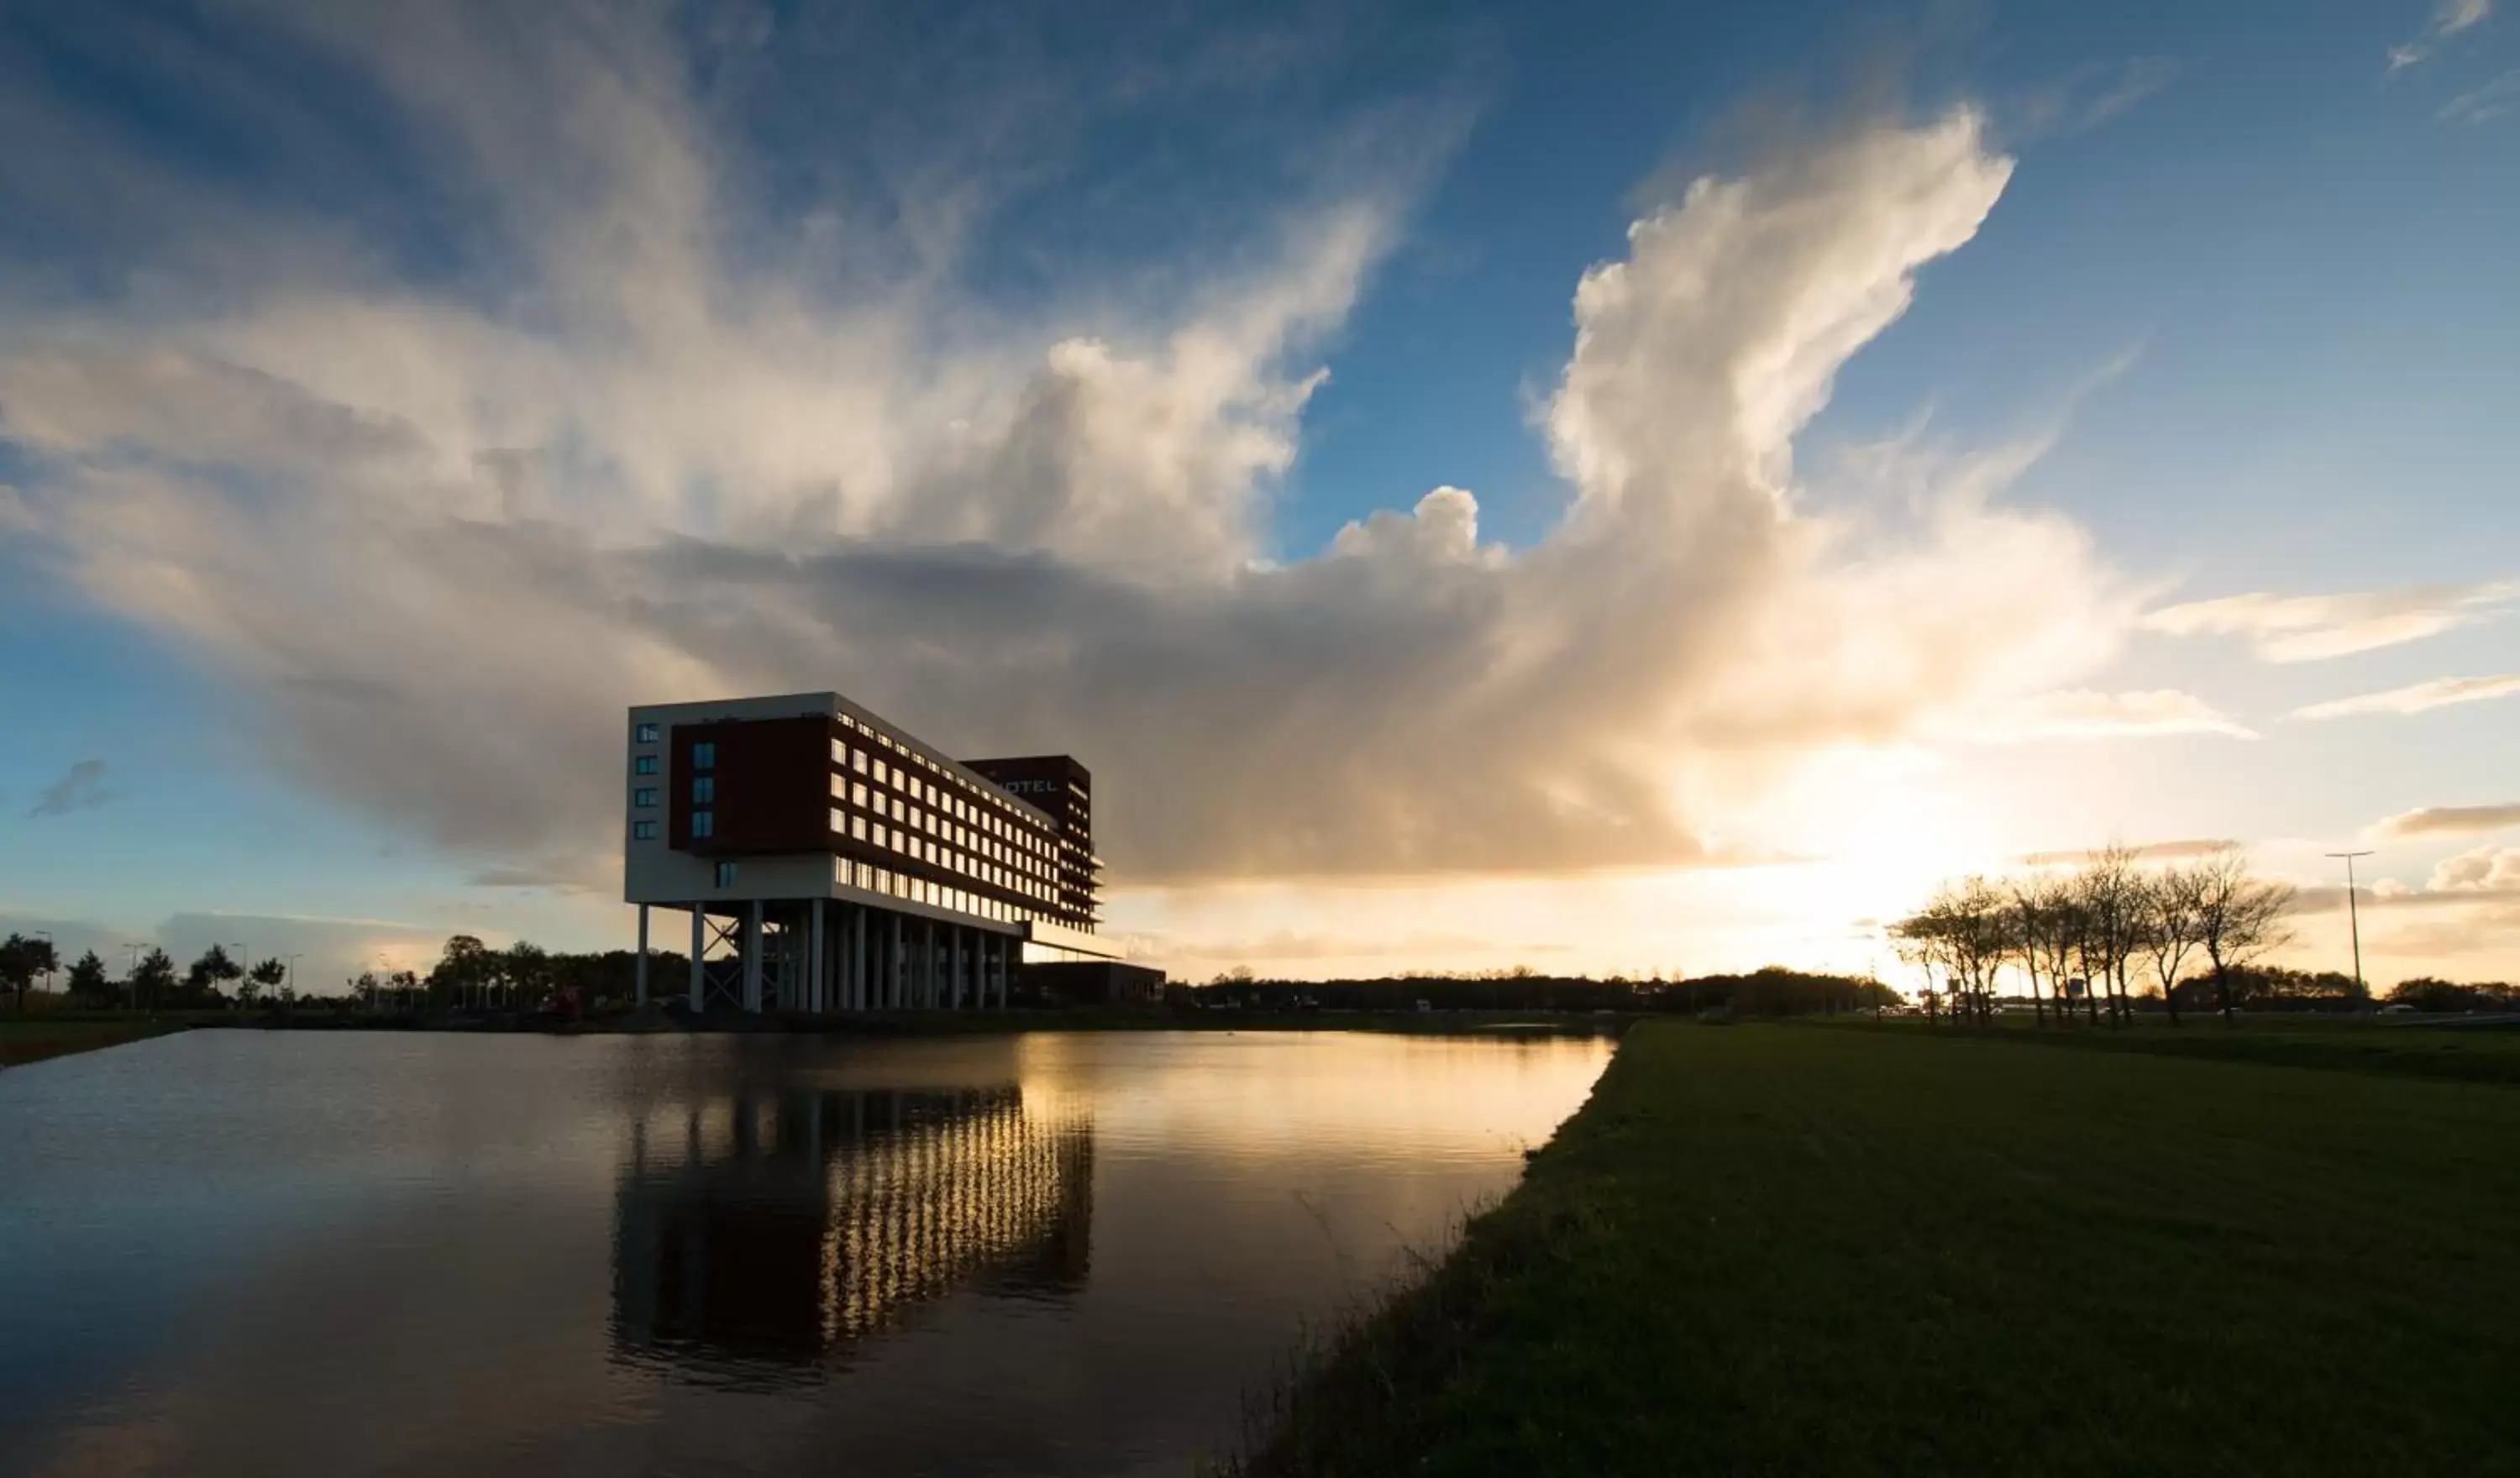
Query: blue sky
[2245,285]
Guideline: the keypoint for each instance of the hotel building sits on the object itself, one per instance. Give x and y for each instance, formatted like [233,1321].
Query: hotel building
[831,861]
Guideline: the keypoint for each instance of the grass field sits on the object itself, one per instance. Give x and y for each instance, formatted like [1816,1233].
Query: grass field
[1803,1249]
[2478,1053]
[34,1039]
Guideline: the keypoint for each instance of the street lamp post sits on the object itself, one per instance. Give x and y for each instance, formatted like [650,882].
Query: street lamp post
[289,986]
[2354,921]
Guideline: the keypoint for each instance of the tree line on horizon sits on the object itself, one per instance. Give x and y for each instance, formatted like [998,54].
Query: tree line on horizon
[469,974]
[1772,991]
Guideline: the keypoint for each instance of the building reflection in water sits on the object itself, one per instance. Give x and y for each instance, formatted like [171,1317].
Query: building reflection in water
[760,1237]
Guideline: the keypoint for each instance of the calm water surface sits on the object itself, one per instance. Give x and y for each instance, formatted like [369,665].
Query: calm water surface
[256,1253]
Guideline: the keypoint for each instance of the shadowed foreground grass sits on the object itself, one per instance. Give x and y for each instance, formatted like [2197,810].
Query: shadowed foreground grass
[2466,1054]
[35,1039]
[1802,1250]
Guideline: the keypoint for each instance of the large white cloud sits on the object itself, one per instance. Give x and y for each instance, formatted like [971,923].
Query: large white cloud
[445,535]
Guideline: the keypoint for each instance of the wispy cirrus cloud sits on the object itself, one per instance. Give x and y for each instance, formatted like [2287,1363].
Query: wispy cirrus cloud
[2087,714]
[2483,104]
[2152,851]
[2310,628]
[2448,18]
[2448,820]
[2414,698]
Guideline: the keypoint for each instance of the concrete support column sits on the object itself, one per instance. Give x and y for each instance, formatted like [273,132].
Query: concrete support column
[815,971]
[700,936]
[892,984]
[855,960]
[957,978]
[640,989]
[1010,949]
[753,957]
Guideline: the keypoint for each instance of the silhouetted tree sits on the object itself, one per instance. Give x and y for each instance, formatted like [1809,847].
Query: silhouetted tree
[2110,898]
[207,974]
[153,980]
[267,978]
[88,982]
[2172,926]
[22,958]
[2238,918]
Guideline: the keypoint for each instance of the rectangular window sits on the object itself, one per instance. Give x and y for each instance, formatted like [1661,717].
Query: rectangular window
[644,764]
[704,824]
[645,734]
[858,762]
[856,828]
[840,788]
[726,874]
[857,793]
[703,789]
[840,822]
[643,830]
[645,797]
[704,757]
[883,774]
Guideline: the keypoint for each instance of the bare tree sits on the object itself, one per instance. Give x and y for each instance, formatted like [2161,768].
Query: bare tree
[2172,926]
[2239,918]
[2109,894]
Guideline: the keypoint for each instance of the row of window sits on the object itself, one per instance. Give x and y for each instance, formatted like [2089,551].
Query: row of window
[921,849]
[851,872]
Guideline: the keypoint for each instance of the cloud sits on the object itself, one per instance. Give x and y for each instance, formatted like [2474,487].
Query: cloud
[446,532]
[2416,697]
[2309,628]
[82,787]
[2157,851]
[2483,104]
[2093,94]
[2448,18]
[2085,714]
[2486,869]
[2448,820]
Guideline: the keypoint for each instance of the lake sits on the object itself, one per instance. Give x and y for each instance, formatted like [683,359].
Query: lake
[1054,1253]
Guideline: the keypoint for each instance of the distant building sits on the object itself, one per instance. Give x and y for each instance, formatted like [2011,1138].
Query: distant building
[831,861]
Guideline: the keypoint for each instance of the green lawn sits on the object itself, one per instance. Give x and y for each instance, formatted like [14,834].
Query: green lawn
[2480,1054]
[1802,1249]
[36,1037]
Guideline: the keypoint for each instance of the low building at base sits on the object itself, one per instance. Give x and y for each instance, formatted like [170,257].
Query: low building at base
[830,862]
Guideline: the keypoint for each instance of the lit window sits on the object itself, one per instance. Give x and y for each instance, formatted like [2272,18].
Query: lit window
[645,734]
[645,797]
[644,764]
[840,788]
[704,824]
[882,776]
[703,789]
[840,822]
[704,757]
[857,793]
[839,754]
[858,762]
[643,830]
[726,874]
[856,828]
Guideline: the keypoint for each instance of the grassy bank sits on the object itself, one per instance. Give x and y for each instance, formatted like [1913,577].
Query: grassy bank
[2478,1053]
[1810,1250]
[35,1039]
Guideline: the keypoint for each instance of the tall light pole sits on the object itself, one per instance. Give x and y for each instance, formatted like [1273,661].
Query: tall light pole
[290,986]
[2354,921]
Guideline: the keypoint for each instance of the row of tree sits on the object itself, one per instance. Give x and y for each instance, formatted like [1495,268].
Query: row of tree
[1770,992]
[469,975]
[2084,938]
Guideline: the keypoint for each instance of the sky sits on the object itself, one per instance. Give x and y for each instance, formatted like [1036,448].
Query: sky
[1589,487]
